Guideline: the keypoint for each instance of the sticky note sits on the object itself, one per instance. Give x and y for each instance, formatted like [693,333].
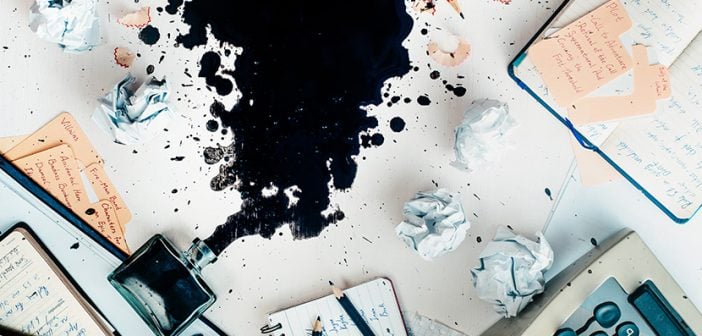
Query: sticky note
[585,55]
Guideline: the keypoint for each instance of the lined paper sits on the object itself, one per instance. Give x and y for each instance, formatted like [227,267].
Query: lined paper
[375,300]
[664,153]
[33,299]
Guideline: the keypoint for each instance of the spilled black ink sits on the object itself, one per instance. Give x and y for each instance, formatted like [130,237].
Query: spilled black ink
[423,100]
[173,5]
[149,35]
[304,71]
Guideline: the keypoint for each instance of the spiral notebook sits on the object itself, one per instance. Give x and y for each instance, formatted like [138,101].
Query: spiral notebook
[658,150]
[375,300]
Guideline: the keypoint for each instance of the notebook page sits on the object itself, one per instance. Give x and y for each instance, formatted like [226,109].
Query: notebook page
[33,300]
[663,153]
[375,300]
[668,26]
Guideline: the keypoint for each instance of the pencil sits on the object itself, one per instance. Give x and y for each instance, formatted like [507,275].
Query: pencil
[456,7]
[317,328]
[351,310]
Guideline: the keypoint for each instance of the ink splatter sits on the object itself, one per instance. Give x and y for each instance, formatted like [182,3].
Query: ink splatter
[173,6]
[593,241]
[423,100]
[397,124]
[548,193]
[75,246]
[149,35]
[304,71]
[150,69]
[209,65]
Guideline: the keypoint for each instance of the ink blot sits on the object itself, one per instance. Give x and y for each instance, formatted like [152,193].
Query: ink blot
[397,124]
[548,193]
[209,65]
[150,69]
[423,100]
[75,246]
[212,125]
[173,6]
[303,73]
[149,35]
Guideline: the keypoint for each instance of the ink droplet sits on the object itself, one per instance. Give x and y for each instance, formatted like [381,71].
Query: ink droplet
[150,69]
[397,124]
[423,100]
[149,35]
[90,211]
[212,125]
[479,239]
[593,241]
[548,193]
[435,74]
[75,246]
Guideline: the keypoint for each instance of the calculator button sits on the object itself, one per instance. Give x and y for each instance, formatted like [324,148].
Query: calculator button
[627,329]
[607,314]
[565,332]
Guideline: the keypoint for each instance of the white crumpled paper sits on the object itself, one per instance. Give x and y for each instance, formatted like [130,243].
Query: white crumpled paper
[481,136]
[74,25]
[434,223]
[131,117]
[511,271]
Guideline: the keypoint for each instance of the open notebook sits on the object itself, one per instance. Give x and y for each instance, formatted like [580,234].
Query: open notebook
[660,153]
[375,300]
[36,298]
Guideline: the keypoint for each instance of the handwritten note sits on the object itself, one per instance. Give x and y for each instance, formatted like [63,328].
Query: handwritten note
[585,55]
[33,299]
[664,153]
[56,170]
[375,300]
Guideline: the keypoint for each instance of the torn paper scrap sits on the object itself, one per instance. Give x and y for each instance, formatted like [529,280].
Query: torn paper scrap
[137,19]
[123,57]
[419,325]
[434,223]
[511,271]
[482,135]
[134,116]
[74,25]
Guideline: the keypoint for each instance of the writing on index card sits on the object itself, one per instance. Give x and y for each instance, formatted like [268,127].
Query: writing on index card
[585,55]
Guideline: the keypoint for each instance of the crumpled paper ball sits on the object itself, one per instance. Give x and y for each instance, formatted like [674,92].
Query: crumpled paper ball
[434,223]
[134,116]
[74,25]
[511,271]
[482,135]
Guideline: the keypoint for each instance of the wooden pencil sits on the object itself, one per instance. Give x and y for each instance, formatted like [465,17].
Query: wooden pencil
[317,327]
[456,7]
[351,311]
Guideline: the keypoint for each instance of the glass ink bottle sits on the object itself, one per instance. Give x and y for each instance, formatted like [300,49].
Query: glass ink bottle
[164,286]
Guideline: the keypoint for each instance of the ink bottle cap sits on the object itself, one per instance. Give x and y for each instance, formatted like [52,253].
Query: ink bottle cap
[164,286]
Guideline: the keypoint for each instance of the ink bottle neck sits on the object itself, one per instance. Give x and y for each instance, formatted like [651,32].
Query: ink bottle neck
[199,255]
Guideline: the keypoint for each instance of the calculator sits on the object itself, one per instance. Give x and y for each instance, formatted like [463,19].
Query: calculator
[619,288]
[612,311]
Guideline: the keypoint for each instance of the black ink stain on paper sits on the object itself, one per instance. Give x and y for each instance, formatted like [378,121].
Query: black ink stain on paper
[304,71]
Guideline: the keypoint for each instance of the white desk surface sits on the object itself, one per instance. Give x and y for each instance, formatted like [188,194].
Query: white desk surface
[257,276]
